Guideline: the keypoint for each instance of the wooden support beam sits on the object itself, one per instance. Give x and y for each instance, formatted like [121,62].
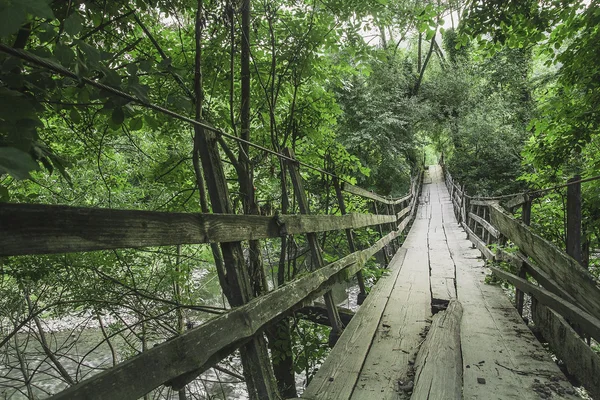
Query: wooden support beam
[317,257]
[515,202]
[350,238]
[588,322]
[439,366]
[364,193]
[402,200]
[487,253]
[484,203]
[581,361]
[384,255]
[403,212]
[568,273]
[574,219]
[50,229]
[526,212]
[486,225]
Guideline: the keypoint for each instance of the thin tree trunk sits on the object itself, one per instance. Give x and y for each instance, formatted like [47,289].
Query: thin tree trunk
[239,290]
[42,336]
[179,312]
[422,72]
[419,51]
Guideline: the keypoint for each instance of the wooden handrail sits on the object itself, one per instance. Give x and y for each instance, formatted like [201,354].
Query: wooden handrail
[199,348]
[358,191]
[50,229]
[567,289]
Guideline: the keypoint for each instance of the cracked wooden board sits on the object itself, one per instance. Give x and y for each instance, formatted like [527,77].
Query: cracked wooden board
[338,374]
[497,347]
[399,332]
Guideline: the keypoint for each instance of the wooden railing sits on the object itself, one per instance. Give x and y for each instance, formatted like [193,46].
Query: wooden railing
[565,297]
[47,229]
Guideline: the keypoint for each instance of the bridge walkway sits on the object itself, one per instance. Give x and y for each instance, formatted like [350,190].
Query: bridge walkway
[495,354]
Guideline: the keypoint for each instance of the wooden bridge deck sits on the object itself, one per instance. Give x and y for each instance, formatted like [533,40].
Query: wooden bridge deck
[498,356]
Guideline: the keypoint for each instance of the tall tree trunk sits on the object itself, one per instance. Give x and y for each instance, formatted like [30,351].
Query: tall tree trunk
[245,168]
[280,338]
[419,52]
[255,359]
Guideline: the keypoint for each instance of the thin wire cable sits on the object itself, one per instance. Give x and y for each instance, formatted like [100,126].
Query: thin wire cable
[59,69]
[536,192]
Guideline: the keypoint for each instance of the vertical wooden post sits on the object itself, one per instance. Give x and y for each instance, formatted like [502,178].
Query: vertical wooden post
[475,223]
[526,211]
[351,245]
[390,211]
[254,354]
[466,209]
[486,234]
[380,229]
[519,295]
[336,323]
[463,205]
[574,219]
[471,220]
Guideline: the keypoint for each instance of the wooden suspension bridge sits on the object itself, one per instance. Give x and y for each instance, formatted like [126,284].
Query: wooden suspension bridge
[431,328]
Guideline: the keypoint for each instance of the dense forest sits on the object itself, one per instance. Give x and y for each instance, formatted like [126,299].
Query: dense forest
[143,104]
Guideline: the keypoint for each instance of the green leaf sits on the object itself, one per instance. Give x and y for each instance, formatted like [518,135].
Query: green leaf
[4,195]
[92,54]
[430,34]
[136,124]
[64,54]
[15,106]
[12,17]
[38,8]
[73,24]
[118,116]
[75,116]
[151,121]
[16,162]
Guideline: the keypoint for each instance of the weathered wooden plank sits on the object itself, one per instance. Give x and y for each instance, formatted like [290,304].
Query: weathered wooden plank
[544,279]
[403,199]
[588,322]
[486,225]
[365,193]
[457,191]
[403,212]
[487,253]
[439,362]
[441,265]
[398,335]
[581,361]
[216,338]
[475,202]
[567,272]
[49,229]
[338,374]
[515,201]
